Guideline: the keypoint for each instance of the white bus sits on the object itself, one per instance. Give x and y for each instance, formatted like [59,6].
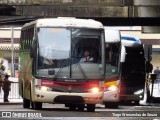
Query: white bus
[129,83]
[50,68]
[112,77]
[132,70]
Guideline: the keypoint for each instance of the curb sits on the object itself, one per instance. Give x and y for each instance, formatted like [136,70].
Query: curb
[10,103]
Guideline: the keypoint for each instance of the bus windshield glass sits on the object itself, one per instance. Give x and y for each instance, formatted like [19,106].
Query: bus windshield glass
[112,59]
[134,61]
[69,53]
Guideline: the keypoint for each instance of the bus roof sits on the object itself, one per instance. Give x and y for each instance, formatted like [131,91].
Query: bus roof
[128,40]
[65,22]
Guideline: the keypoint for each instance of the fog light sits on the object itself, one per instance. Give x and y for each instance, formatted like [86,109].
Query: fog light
[38,95]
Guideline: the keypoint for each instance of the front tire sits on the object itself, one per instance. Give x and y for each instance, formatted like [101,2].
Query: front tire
[81,107]
[26,103]
[37,105]
[111,105]
[91,107]
[72,107]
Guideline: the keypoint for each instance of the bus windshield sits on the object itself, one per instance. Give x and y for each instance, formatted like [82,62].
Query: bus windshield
[134,61]
[112,59]
[72,53]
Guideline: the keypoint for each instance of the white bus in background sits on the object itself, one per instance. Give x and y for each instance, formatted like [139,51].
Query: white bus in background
[126,81]
[112,77]
[61,42]
[132,70]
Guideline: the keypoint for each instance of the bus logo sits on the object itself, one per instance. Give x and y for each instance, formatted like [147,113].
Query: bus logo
[47,83]
[70,87]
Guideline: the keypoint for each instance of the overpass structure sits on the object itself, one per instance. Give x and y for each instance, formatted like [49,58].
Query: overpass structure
[109,12]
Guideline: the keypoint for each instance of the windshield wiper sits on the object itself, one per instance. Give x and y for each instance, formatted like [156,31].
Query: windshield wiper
[81,69]
[62,66]
[68,61]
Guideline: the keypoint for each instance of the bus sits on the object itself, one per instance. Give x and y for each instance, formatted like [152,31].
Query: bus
[133,75]
[112,77]
[50,70]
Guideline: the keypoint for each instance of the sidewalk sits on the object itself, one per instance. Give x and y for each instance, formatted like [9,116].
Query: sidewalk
[11,101]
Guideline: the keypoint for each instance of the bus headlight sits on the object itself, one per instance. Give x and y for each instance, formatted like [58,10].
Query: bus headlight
[112,85]
[44,88]
[94,90]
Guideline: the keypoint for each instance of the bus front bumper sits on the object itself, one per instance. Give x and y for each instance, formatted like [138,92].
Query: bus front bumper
[111,96]
[61,97]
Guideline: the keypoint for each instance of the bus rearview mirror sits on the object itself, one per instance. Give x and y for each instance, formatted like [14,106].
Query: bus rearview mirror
[123,54]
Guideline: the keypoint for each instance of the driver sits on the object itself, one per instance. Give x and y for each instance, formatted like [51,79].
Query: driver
[86,57]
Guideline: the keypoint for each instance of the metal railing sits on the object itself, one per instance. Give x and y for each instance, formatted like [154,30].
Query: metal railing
[14,92]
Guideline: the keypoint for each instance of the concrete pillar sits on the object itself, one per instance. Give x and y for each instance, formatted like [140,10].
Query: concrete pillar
[63,2]
[146,2]
[151,11]
[148,9]
[151,29]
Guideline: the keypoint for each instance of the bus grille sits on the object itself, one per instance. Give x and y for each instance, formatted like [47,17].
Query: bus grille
[69,99]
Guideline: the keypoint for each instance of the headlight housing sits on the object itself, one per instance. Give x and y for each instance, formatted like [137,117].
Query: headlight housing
[111,88]
[44,88]
[94,90]
[111,85]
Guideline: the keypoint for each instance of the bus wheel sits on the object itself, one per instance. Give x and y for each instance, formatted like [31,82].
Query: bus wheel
[37,105]
[32,105]
[81,107]
[91,107]
[111,105]
[66,105]
[72,107]
[26,103]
